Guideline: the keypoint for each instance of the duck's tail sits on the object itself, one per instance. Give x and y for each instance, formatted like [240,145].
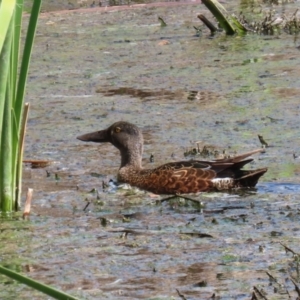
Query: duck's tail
[248,179]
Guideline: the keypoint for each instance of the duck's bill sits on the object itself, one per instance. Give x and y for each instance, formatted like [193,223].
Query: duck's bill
[97,137]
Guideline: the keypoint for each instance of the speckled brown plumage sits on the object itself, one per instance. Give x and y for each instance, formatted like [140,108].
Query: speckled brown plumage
[177,177]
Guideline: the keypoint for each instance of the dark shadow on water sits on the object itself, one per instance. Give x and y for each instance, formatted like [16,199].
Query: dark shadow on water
[137,93]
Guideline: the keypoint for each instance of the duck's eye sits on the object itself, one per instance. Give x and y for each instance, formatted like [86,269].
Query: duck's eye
[117,129]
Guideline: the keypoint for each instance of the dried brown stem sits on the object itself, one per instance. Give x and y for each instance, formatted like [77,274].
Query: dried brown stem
[27,207]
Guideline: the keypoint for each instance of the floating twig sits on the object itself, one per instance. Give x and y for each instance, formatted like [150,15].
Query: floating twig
[287,249]
[86,206]
[256,290]
[297,289]
[180,295]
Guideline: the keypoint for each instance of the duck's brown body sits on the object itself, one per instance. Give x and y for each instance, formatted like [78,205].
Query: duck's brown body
[178,177]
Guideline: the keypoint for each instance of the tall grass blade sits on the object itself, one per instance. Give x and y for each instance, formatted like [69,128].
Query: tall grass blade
[229,23]
[16,44]
[6,15]
[12,90]
[6,12]
[18,105]
[216,9]
[6,193]
[48,290]
[26,58]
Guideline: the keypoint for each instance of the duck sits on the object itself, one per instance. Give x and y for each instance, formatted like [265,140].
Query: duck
[180,177]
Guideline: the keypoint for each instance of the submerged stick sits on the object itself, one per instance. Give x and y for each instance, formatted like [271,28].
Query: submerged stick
[208,24]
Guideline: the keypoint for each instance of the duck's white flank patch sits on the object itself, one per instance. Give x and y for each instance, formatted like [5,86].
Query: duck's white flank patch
[216,180]
[223,183]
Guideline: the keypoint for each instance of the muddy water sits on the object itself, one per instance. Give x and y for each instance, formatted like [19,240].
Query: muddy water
[91,68]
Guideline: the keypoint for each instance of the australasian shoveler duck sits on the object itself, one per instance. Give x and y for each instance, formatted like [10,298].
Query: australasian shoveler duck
[175,177]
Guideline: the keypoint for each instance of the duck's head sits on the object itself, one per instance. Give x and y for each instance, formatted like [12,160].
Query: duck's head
[123,135]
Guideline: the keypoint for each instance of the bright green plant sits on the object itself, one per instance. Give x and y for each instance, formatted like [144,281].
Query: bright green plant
[13,75]
[230,24]
[38,286]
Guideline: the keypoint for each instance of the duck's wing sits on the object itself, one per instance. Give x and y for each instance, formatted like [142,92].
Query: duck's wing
[185,164]
[238,158]
[199,176]
[231,167]
[179,178]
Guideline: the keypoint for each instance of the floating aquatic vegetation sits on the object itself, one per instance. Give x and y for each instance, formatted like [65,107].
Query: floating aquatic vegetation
[207,151]
[262,141]
[270,24]
[162,22]
[280,284]
[273,23]
[277,2]
[151,159]
[36,164]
